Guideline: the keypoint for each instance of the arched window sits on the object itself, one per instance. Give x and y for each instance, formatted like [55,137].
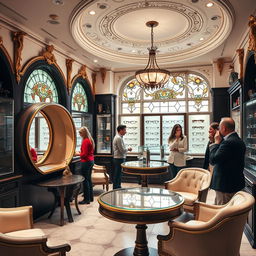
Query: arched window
[150,116]
[80,109]
[79,99]
[40,87]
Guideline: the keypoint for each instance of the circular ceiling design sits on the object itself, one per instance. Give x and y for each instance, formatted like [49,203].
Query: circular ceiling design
[117,31]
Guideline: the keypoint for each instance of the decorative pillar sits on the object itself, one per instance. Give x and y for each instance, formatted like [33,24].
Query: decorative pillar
[17,38]
[240,53]
[69,63]
[103,72]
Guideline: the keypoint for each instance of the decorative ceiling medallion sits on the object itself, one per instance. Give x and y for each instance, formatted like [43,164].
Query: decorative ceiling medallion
[118,32]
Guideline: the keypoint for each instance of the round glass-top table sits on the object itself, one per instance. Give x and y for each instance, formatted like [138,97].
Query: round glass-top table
[144,169]
[140,206]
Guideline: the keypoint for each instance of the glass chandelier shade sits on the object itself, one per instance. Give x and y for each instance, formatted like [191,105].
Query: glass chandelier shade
[152,77]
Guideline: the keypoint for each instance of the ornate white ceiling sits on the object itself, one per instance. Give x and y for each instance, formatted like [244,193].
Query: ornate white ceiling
[117,32]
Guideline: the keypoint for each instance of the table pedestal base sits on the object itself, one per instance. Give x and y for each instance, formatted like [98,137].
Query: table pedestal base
[130,252]
[141,244]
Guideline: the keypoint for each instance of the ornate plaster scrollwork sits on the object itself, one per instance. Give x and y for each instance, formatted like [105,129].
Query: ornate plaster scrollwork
[103,73]
[17,38]
[48,55]
[94,75]
[82,72]
[240,53]
[220,65]
[252,35]
[69,63]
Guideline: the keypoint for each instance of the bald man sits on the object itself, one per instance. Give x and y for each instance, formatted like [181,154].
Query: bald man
[227,156]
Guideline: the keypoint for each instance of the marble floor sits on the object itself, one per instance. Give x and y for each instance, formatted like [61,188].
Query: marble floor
[91,234]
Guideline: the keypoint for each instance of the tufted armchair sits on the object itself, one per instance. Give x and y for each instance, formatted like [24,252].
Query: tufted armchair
[217,230]
[193,184]
[100,176]
[17,236]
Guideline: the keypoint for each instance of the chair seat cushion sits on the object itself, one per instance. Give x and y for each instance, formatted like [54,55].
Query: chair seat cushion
[98,177]
[34,232]
[195,222]
[189,198]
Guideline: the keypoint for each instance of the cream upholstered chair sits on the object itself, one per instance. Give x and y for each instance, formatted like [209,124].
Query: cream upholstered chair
[193,184]
[17,236]
[217,230]
[100,176]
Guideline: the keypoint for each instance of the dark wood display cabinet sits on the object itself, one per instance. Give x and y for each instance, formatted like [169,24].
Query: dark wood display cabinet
[105,127]
[249,136]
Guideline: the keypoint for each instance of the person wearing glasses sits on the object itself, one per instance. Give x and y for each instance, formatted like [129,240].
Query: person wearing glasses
[87,161]
[120,152]
[227,156]
[214,127]
[178,145]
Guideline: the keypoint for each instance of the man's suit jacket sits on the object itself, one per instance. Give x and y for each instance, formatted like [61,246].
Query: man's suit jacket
[228,160]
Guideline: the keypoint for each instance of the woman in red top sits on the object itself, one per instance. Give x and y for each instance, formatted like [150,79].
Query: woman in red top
[87,162]
[33,154]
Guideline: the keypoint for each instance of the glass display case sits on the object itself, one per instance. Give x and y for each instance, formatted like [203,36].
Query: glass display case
[103,131]
[250,135]
[6,136]
[198,126]
[105,123]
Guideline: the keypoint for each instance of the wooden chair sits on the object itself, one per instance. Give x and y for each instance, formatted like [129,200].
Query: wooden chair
[18,237]
[100,176]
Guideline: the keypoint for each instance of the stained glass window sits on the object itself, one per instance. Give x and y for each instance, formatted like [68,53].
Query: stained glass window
[79,99]
[184,96]
[40,88]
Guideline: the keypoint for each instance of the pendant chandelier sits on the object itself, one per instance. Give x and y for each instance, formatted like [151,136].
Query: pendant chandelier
[152,77]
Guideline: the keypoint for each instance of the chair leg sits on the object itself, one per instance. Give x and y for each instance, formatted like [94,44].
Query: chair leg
[107,186]
[76,200]
[103,186]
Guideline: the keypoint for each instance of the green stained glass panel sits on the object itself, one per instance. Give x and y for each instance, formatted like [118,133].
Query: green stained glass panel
[79,99]
[40,88]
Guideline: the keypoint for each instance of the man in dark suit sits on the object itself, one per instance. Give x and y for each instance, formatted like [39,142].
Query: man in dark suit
[227,156]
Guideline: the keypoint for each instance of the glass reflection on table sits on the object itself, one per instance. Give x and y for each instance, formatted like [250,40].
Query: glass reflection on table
[141,199]
[141,164]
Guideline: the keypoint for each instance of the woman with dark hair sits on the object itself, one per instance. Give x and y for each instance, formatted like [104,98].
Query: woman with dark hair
[178,145]
[87,162]
[214,127]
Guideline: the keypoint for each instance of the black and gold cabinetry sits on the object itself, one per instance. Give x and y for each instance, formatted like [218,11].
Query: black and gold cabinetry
[249,136]
[105,127]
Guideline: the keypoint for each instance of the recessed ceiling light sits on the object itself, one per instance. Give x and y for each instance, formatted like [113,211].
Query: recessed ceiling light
[58,2]
[201,39]
[119,48]
[210,4]
[92,12]
[215,17]
[188,44]
[53,22]
[133,50]
[102,6]
[95,61]
[88,25]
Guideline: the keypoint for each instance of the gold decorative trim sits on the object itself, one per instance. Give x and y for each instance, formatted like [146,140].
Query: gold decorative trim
[82,72]
[240,53]
[17,38]
[69,63]
[252,34]
[48,55]
[94,79]
[220,65]
[103,73]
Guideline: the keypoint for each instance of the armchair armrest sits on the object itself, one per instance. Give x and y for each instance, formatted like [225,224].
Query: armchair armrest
[204,212]
[172,184]
[99,168]
[13,219]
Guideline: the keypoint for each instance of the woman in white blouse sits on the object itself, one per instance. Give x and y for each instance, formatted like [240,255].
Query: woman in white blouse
[178,145]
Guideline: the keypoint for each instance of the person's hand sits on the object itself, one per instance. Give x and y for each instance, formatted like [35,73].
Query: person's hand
[211,137]
[217,138]
[129,149]
[77,153]
[175,150]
